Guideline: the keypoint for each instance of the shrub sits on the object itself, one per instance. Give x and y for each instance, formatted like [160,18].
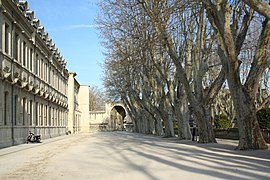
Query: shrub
[263,117]
[222,122]
[175,124]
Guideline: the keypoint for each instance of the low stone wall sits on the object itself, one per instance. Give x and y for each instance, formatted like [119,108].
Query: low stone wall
[94,127]
[129,127]
[232,133]
[266,135]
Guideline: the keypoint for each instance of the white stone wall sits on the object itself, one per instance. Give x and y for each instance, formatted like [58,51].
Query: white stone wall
[83,99]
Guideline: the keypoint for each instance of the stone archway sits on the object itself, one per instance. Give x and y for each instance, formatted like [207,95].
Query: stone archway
[117,116]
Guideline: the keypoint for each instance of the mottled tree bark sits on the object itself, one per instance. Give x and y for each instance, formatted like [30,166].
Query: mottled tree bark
[182,114]
[259,6]
[243,96]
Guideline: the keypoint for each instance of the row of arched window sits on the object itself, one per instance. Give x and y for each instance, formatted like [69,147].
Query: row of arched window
[32,58]
[20,111]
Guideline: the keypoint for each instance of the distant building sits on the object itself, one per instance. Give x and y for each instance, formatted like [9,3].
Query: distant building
[114,118]
[111,117]
[34,78]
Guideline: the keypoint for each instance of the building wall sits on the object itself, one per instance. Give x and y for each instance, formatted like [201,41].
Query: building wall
[74,114]
[33,86]
[83,98]
[71,103]
[37,93]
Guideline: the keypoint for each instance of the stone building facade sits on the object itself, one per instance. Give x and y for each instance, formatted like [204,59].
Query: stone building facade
[37,93]
[33,78]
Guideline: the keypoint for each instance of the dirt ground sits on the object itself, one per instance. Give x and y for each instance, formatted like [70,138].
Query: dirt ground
[122,155]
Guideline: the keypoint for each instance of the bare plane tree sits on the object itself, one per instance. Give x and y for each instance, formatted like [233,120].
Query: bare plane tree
[165,58]
[199,96]
[231,22]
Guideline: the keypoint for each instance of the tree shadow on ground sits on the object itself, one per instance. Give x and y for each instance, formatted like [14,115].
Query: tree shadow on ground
[213,160]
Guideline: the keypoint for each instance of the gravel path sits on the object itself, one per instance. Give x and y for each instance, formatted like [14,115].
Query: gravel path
[122,155]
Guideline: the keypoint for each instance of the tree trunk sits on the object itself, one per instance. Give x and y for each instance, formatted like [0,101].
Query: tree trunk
[140,122]
[144,123]
[168,124]
[230,43]
[148,124]
[183,130]
[182,116]
[158,127]
[250,136]
[205,128]
[152,129]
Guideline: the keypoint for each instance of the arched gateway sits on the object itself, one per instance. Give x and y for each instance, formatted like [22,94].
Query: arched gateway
[117,116]
[114,118]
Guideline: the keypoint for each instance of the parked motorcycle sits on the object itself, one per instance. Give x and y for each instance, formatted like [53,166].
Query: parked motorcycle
[33,138]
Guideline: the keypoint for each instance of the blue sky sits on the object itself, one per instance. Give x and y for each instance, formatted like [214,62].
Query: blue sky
[70,24]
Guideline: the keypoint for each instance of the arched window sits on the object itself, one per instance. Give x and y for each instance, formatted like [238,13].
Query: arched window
[15,109]
[6,38]
[45,115]
[24,111]
[5,107]
[16,47]
[31,113]
[52,117]
[31,60]
[49,117]
[41,115]
[24,54]
[37,113]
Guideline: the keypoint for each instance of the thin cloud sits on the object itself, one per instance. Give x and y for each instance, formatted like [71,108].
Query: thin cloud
[71,27]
